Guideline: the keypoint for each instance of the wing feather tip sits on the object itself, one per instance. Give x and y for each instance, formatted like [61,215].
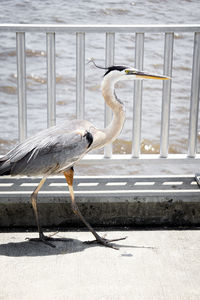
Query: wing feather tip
[89,138]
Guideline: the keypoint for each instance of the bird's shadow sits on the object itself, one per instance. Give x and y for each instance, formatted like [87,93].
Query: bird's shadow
[66,246]
[31,248]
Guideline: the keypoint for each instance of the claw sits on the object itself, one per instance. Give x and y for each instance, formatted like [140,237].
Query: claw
[105,242]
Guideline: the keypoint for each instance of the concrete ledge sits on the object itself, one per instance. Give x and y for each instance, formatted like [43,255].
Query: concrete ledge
[110,201]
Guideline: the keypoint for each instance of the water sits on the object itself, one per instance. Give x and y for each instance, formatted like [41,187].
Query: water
[98,12]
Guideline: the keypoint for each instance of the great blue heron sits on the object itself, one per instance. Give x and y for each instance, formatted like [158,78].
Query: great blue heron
[57,149]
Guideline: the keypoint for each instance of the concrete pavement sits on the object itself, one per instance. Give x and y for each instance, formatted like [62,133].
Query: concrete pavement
[150,264]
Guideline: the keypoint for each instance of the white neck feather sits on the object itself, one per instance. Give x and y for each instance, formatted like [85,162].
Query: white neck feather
[110,133]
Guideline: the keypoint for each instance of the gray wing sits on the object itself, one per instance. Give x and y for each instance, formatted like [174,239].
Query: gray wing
[50,152]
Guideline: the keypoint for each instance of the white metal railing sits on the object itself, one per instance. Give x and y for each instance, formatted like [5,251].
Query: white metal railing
[110,30]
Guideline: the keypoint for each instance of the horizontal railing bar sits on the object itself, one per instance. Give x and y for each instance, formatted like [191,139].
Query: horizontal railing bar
[143,158]
[79,177]
[100,28]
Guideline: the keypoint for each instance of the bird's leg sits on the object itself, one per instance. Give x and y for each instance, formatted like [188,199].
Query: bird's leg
[69,175]
[42,237]
[34,205]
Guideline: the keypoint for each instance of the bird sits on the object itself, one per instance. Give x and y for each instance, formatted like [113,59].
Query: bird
[56,150]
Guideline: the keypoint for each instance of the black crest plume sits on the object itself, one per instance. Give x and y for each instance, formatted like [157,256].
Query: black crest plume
[109,69]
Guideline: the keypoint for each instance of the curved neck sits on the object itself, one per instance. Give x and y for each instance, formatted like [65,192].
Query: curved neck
[110,133]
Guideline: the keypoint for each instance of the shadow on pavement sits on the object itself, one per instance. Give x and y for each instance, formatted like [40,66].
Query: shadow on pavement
[28,248]
[66,246]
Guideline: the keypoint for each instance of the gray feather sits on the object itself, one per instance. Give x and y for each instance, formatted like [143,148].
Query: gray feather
[51,151]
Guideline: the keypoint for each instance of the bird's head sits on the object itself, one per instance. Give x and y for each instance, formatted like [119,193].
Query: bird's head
[116,73]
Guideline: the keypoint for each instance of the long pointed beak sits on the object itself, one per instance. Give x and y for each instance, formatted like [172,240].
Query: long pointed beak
[144,75]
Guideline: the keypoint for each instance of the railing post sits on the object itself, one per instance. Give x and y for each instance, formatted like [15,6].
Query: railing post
[51,79]
[21,85]
[110,53]
[166,94]
[80,75]
[137,100]
[194,102]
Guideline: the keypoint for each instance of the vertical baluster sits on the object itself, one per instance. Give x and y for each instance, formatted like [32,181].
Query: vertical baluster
[166,94]
[194,102]
[51,79]
[80,75]
[137,100]
[110,51]
[21,84]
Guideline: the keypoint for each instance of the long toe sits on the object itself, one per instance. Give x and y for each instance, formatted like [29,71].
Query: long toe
[114,240]
[105,242]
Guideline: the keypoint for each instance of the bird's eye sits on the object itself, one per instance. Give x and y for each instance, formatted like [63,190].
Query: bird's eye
[129,71]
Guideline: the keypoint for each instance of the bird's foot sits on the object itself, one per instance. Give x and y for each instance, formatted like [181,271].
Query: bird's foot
[105,242]
[42,239]
[47,239]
